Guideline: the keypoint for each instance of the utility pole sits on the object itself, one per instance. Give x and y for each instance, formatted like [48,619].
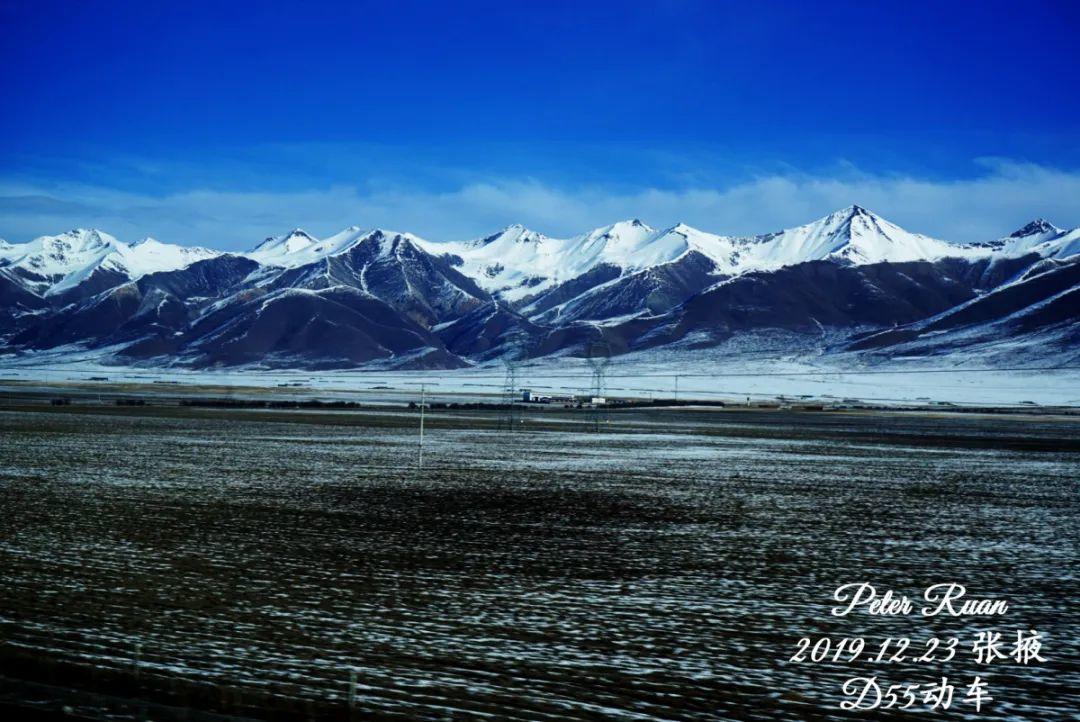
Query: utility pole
[423,410]
[676,387]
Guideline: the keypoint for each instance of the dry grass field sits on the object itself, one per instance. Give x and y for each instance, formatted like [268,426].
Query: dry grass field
[184,563]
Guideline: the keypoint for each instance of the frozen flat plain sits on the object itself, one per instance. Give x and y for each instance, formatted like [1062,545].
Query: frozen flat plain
[686,374]
[245,561]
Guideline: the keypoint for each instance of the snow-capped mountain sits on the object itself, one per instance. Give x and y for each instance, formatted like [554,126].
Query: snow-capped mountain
[285,245]
[298,248]
[392,267]
[377,296]
[1042,237]
[518,263]
[51,265]
[851,235]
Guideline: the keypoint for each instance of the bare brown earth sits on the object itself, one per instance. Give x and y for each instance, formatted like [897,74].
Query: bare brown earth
[179,562]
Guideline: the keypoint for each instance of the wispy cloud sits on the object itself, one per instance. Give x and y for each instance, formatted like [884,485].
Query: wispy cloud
[1002,196]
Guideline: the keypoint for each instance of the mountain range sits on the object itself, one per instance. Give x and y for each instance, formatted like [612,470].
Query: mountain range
[849,283]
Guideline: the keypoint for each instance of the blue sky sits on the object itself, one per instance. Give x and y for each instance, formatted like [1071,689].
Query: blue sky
[221,123]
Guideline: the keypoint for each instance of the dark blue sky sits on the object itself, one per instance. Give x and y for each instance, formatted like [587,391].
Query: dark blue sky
[110,107]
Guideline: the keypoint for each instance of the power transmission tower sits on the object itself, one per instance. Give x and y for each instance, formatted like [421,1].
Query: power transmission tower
[510,415]
[599,356]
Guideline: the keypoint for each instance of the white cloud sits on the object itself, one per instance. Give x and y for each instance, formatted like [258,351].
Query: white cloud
[1005,195]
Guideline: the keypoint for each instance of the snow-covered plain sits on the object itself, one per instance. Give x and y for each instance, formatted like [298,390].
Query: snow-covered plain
[683,374]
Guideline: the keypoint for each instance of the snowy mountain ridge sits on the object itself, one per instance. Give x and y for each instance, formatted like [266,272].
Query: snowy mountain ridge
[298,248]
[517,262]
[854,235]
[848,282]
[49,265]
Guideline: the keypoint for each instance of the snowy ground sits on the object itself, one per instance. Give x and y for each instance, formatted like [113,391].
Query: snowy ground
[686,374]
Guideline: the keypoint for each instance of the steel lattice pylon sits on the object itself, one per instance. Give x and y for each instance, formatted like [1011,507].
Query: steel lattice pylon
[599,356]
[510,414]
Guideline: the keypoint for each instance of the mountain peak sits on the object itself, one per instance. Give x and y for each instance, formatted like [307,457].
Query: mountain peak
[92,233]
[293,241]
[81,240]
[519,232]
[515,233]
[852,211]
[850,235]
[846,223]
[680,229]
[1036,227]
[632,224]
[386,233]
